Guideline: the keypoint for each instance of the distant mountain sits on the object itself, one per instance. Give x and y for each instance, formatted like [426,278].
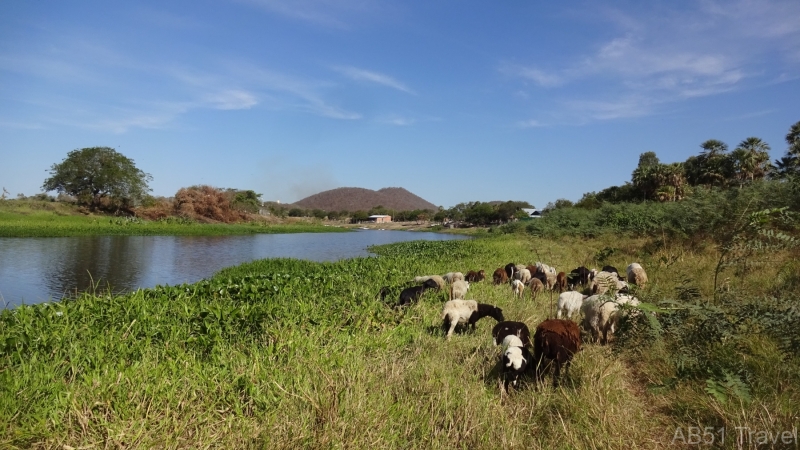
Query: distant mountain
[360,199]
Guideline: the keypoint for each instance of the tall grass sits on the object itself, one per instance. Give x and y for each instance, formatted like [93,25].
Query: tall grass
[56,223]
[292,354]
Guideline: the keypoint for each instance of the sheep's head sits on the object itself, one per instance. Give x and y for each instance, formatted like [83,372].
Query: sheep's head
[497,314]
[430,284]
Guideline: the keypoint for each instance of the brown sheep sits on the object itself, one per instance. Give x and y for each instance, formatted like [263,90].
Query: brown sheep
[474,277]
[500,276]
[536,287]
[558,340]
[561,282]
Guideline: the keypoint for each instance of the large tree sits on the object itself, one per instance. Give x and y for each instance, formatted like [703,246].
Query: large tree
[99,177]
[789,165]
[750,160]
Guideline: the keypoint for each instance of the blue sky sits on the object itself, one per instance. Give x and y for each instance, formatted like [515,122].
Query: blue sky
[453,100]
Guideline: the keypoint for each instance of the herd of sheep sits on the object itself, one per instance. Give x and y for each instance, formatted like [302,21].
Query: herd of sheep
[556,340]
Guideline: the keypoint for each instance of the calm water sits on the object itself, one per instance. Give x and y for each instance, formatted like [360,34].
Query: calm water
[34,270]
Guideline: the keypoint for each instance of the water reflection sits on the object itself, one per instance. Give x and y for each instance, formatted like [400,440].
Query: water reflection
[34,270]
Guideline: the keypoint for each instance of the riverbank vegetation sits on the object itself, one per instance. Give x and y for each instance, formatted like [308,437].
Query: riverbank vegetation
[294,354]
[45,218]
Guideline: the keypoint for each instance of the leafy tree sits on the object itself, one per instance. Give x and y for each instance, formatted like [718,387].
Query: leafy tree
[789,165]
[99,177]
[246,201]
[648,159]
[358,216]
[715,165]
[296,212]
[750,160]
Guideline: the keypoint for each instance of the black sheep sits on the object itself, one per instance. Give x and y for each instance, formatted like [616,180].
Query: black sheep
[579,276]
[510,328]
[412,294]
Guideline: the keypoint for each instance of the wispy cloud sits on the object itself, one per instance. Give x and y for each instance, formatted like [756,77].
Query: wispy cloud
[232,99]
[327,13]
[538,76]
[530,123]
[88,84]
[658,59]
[357,74]
[399,121]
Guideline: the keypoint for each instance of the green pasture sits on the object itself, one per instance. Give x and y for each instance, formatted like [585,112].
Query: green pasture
[291,354]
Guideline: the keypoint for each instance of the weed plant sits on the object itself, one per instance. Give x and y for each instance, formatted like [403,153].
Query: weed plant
[285,353]
[40,219]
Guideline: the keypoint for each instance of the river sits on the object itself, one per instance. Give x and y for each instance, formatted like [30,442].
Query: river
[35,270]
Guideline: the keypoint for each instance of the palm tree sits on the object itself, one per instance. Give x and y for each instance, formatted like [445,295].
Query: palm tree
[789,165]
[714,163]
[751,159]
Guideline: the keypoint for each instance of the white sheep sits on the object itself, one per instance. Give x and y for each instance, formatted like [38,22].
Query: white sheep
[451,277]
[604,281]
[610,313]
[512,340]
[458,289]
[436,278]
[601,314]
[569,303]
[523,275]
[518,287]
[467,312]
[455,312]
[549,272]
[636,275]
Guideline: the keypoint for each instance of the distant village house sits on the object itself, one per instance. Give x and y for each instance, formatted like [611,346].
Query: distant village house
[377,218]
[533,213]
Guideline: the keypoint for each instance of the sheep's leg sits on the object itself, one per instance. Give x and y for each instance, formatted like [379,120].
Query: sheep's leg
[453,324]
[557,374]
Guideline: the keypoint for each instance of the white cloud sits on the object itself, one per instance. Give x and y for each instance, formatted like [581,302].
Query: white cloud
[232,99]
[663,58]
[373,77]
[327,13]
[531,123]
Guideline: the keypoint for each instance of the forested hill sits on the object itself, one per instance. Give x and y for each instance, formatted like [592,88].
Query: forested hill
[360,199]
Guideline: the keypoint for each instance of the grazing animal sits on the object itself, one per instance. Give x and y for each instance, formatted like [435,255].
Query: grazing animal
[516,359]
[557,340]
[436,278]
[637,275]
[523,275]
[510,328]
[474,277]
[499,276]
[549,273]
[536,287]
[610,269]
[604,281]
[569,303]
[539,276]
[467,312]
[452,277]
[412,294]
[510,269]
[579,276]
[610,313]
[458,289]
[561,282]
[518,288]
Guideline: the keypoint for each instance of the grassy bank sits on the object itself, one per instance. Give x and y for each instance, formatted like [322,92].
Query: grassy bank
[53,219]
[293,354]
